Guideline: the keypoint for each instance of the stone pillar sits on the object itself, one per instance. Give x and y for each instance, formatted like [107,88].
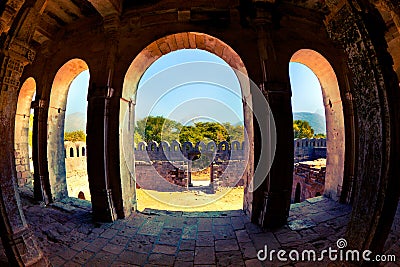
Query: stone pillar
[271,201]
[18,240]
[102,133]
[127,155]
[42,191]
[359,29]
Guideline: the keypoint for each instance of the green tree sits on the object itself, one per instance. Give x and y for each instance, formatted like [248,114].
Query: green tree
[137,138]
[190,134]
[75,136]
[320,135]
[211,131]
[302,129]
[161,129]
[157,129]
[234,132]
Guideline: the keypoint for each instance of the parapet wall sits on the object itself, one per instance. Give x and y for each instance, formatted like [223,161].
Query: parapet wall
[74,149]
[309,149]
[170,161]
[180,152]
[76,169]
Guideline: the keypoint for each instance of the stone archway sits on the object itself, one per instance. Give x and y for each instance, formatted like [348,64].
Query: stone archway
[165,45]
[334,118]
[21,143]
[56,117]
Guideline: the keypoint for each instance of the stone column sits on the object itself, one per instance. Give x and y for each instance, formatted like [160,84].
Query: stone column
[42,191]
[359,29]
[272,199]
[18,240]
[102,133]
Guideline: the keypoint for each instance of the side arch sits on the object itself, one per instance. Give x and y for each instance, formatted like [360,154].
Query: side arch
[56,118]
[21,137]
[334,118]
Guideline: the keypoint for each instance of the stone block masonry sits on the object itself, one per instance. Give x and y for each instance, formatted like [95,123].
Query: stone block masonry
[171,162]
[309,149]
[76,170]
[308,180]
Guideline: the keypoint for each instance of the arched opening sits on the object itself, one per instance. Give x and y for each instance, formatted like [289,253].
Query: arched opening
[218,122]
[333,110]
[23,133]
[147,57]
[297,197]
[56,124]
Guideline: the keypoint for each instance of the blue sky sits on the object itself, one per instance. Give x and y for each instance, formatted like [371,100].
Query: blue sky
[77,95]
[199,101]
[306,90]
[196,101]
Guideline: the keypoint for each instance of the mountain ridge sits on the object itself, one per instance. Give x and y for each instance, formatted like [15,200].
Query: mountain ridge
[316,121]
[75,121]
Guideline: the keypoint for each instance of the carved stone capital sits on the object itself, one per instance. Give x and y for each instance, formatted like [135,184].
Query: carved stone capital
[22,51]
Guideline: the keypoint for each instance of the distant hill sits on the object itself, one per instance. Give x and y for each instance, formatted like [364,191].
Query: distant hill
[316,121]
[75,121]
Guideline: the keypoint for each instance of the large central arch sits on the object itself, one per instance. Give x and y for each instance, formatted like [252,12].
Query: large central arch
[155,50]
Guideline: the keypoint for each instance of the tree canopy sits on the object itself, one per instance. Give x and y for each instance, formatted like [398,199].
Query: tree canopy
[156,129]
[302,129]
[75,136]
[163,129]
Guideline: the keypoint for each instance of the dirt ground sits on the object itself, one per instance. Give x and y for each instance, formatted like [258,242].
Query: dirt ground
[223,199]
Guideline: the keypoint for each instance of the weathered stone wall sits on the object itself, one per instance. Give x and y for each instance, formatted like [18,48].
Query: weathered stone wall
[161,175]
[76,169]
[156,161]
[179,152]
[309,149]
[22,163]
[23,153]
[228,173]
[311,180]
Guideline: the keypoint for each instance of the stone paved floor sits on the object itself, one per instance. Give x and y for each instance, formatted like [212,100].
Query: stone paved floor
[153,238]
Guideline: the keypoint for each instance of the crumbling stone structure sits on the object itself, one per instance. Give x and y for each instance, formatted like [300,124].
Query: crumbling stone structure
[76,169]
[170,161]
[308,181]
[353,47]
[309,149]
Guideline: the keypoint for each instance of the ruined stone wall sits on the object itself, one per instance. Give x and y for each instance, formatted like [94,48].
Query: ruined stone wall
[23,163]
[311,180]
[309,149]
[76,169]
[228,173]
[160,175]
[154,161]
